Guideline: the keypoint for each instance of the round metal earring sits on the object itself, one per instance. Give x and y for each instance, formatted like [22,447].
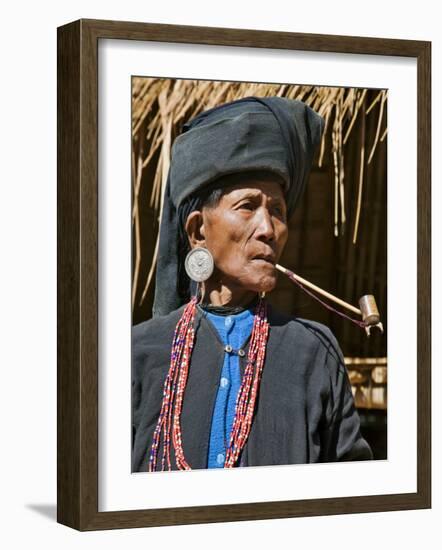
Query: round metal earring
[199,264]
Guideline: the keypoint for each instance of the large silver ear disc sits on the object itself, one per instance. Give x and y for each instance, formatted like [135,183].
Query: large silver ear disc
[199,264]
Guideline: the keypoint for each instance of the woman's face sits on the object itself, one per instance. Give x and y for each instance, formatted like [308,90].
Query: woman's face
[246,233]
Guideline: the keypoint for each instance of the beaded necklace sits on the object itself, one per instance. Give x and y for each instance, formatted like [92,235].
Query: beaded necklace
[169,425]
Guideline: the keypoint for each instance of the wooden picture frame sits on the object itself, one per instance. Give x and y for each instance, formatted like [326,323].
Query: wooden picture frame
[77,309]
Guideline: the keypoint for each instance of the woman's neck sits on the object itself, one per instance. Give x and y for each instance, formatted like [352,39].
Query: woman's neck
[221,295]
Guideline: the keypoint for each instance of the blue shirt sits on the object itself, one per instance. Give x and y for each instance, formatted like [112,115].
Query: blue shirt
[234,330]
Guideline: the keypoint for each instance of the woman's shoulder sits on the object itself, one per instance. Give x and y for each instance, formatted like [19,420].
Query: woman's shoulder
[305,333]
[154,330]
[151,344]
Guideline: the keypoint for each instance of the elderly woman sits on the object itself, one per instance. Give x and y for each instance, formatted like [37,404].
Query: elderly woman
[220,379]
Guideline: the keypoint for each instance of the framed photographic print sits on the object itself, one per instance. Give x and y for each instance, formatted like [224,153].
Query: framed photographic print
[147,112]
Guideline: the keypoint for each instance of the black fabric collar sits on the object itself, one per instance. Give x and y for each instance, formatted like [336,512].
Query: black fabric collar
[227,310]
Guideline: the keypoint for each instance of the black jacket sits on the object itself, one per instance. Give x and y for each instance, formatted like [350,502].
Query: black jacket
[305,411]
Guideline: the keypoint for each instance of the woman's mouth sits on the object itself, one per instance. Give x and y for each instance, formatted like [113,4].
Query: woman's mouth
[266,258]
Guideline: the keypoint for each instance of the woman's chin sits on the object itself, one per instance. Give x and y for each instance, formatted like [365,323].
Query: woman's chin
[269,286]
[259,279]
[266,284]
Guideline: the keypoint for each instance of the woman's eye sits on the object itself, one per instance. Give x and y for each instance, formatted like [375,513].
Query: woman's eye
[279,211]
[246,206]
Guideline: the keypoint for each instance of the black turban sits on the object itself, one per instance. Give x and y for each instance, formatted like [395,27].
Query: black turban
[271,134]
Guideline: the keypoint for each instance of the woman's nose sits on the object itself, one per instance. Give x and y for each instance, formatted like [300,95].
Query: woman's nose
[265,229]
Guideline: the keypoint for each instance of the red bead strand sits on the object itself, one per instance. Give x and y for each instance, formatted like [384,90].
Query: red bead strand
[172,379]
[245,403]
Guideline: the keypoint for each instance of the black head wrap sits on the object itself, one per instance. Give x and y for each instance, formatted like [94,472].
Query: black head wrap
[271,134]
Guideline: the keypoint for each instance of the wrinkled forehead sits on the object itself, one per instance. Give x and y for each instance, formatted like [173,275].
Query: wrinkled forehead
[270,188]
[269,183]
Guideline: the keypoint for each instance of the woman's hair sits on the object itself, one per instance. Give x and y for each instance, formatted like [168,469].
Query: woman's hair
[208,197]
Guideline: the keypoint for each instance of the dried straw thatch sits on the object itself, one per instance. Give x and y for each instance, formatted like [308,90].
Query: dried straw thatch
[161,106]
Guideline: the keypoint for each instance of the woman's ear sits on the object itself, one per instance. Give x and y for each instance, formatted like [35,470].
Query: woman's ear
[195,229]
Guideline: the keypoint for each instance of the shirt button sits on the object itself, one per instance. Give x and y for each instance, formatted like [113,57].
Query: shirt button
[224,382]
[220,458]
[228,321]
